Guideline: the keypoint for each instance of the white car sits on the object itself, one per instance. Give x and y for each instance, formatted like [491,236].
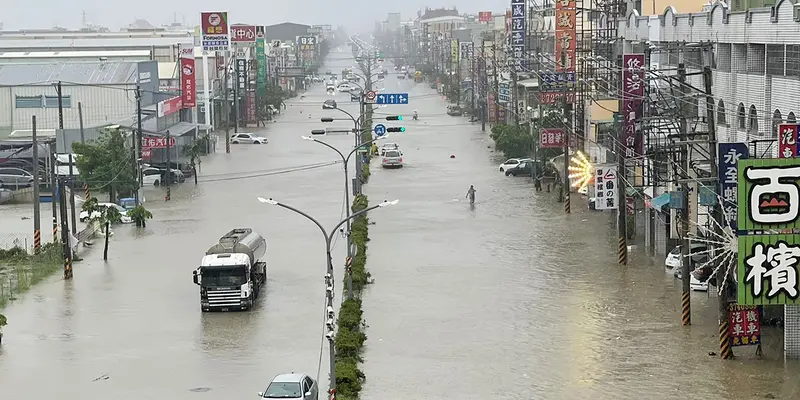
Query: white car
[153,176]
[673,259]
[84,215]
[512,162]
[388,146]
[344,87]
[392,159]
[247,138]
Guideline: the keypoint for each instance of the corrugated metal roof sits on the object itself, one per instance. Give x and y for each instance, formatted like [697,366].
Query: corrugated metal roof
[82,73]
[74,54]
[77,43]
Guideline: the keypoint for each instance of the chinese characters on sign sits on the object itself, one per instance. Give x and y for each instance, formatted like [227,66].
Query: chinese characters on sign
[769,200]
[729,155]
[454,52]
[551,138]
[484,16]
[188,85]
[566,22]
[787,140]
[556,81]
[632,99]
[250,107]
[261,63]
[152,142]
[605,187]
[466,50]
[214,27]
[241,74]
[518,13]
[492,107]
[243,34]
[307,43]
[553,98]
[744,325]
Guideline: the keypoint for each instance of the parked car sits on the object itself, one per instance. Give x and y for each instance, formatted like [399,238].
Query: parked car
[291,386]
[15,178]
[84,215]
[392,159]
[673,259]
[344,87]
[153,176]
[329,104]
[511,162]
[248,138]
[388,146]
[524,168]
[698,277]
[454,110]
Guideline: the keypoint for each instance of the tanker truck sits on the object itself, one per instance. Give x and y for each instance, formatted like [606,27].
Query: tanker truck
[232,272]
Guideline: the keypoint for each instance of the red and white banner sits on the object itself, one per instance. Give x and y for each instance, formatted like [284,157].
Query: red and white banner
[188,83]
[169,106]
[485,16]
[157,142]
[787,140]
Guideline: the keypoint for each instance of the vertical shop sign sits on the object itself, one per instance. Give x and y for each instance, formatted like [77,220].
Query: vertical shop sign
[188,84]
[566,21]
[518,14]
[632,99]
[241,74]
[605,182]
[729,155]
[251,107]
[215,35]
[261,63]
[551,138]
[744,325]
[787,140]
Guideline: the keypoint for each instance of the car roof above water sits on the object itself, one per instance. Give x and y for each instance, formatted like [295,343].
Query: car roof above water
[286,378]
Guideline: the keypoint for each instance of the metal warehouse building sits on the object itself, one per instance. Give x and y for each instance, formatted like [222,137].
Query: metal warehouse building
[106,92]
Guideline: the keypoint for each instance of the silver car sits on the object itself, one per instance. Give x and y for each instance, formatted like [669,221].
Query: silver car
[247,138]
[14,178]
[392,159]
[291,386]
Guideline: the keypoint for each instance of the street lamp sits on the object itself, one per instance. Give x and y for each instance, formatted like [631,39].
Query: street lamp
[329,275]
[345,161]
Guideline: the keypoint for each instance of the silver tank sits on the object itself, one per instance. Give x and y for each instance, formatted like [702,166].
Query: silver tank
[241,240]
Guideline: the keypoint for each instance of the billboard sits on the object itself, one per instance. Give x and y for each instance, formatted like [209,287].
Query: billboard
[188,83]
[243,34]
[214,31]
[485,16]
[147,79]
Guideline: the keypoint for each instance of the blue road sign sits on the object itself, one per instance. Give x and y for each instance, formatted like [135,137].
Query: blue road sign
[392,98]
[380,129]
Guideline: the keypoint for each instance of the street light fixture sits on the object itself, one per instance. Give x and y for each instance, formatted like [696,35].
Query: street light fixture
[346,162]
[329,281]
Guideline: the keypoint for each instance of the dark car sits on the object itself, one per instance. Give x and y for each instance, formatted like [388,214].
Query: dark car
[433,85]
[329,105]
[524,168]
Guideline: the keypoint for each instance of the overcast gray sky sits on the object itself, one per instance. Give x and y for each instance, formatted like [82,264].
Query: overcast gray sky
[355,15]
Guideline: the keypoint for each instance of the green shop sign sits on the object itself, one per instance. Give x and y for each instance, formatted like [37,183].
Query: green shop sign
[261,63]
[768,249]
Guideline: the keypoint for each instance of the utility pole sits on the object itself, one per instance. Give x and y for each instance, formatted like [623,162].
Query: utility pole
[71,161]
[80,121]
[686,308]
[474,75]
[168,177]
[137,144]
[568,132]
[226,107]
[236,93]
[725,350]
[653,160]
[482,80]
[496,87]
[515,96]
[53,187]
[622,212]
[37,212]
[65,245]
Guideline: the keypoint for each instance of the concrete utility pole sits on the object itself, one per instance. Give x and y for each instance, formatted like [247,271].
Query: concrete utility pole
[725,350]
[37,212]
[622,211]
[168,177]
[226,107]
[568,132]
[71,176]
[137,144]
[236,94]
[53,187]
[482,80]
[66,249]
[653,161]
[686,308]
[515,96]
[496,86]
[80,121]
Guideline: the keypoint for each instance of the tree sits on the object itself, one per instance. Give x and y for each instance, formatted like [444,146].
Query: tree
[193,151]
[140,215]
[3,322]
[512,140]
[106,164]
[102,215]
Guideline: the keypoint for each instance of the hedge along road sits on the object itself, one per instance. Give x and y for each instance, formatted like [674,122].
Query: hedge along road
[137,319]
[514,300]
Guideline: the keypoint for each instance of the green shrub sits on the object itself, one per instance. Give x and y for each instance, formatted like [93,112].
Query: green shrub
[348,379]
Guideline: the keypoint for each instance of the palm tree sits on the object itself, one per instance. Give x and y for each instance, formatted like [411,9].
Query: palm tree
[102,215]
[140,215]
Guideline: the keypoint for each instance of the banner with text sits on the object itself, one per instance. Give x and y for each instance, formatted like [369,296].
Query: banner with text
[243,34]
[188,82]
[729,156]
[605,191]
[566,21]
[518,18]
[485,16]
[787,140]
[261,63]
[632,100]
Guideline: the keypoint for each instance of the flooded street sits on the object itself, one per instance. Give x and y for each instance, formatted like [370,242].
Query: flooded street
[509,300]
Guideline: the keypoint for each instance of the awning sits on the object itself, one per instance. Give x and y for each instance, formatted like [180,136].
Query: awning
[660,201]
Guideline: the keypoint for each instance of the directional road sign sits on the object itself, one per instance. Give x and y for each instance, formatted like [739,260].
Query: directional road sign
[392,98]
[380,130]
[369,97]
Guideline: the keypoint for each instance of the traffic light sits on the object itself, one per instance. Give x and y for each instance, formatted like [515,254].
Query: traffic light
[396,129]
[394,118]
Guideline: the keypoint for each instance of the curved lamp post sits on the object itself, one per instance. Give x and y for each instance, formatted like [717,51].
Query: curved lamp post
[329,275]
